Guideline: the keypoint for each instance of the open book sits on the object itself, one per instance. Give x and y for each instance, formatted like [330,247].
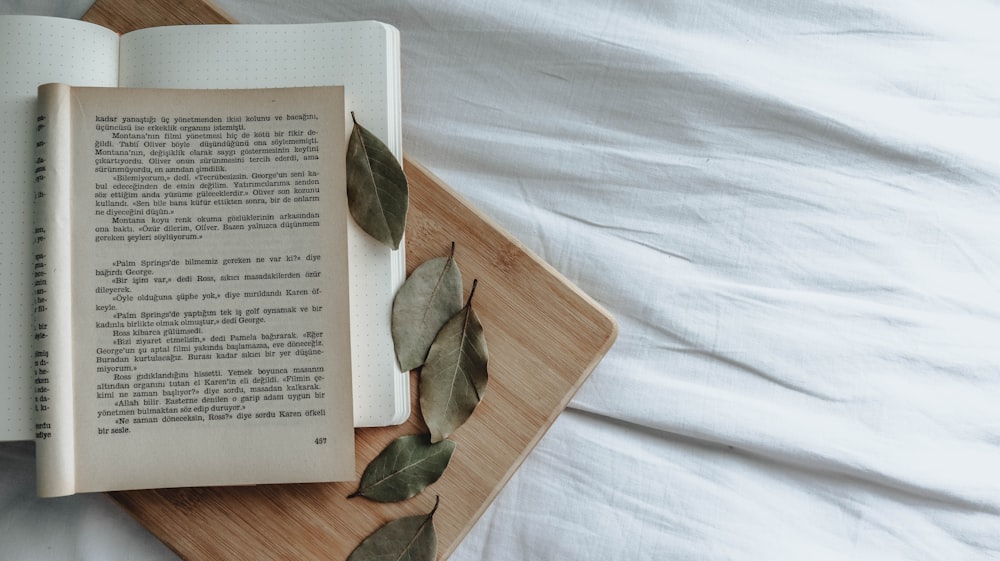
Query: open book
[363,58]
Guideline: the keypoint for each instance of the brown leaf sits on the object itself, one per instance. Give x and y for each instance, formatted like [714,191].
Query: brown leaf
[454,377]
[412,538]
[377,194]
[404,468]
[428,298]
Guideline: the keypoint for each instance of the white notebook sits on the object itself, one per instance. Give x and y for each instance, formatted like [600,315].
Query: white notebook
[361,56]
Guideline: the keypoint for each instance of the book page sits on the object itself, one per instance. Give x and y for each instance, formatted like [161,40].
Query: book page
[35,50]
[361,56]
[212,323]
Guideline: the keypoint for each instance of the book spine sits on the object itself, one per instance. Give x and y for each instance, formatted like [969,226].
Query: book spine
[54,430]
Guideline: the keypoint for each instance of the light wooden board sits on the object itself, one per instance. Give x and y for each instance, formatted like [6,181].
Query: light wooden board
[544,336]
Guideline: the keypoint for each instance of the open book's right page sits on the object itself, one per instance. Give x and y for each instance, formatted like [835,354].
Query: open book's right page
[361,56]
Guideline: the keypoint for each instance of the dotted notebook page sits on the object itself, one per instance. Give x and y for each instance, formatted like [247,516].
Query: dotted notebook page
[354,55]
[33,50]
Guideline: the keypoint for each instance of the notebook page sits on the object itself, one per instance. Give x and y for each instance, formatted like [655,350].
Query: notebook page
[355,55]
[33,50]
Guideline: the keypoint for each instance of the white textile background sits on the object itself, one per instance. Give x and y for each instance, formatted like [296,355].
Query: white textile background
[792,209]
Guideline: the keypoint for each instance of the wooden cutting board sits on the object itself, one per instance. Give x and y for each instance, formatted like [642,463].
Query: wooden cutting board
[544,335]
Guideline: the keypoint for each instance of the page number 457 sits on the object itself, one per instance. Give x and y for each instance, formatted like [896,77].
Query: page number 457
[320,440]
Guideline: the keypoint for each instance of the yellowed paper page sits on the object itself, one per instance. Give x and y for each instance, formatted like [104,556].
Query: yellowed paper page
[211,340]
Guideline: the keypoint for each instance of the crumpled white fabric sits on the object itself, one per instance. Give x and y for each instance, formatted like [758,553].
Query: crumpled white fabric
[792,209]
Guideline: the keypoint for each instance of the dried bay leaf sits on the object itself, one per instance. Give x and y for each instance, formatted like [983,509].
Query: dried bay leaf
[404,468]
[454,376]
[430,297]
[411,538]
[377,194]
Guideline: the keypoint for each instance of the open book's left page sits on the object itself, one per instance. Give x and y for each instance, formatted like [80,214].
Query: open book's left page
[33,50]
[196,328]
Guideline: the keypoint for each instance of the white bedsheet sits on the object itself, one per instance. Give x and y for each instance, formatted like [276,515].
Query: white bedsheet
[792,209]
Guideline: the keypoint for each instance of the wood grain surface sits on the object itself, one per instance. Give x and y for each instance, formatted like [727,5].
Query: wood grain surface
[544,336]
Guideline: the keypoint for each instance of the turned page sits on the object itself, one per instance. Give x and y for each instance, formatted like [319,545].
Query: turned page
[35,50]
[361,56]
[211,338]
